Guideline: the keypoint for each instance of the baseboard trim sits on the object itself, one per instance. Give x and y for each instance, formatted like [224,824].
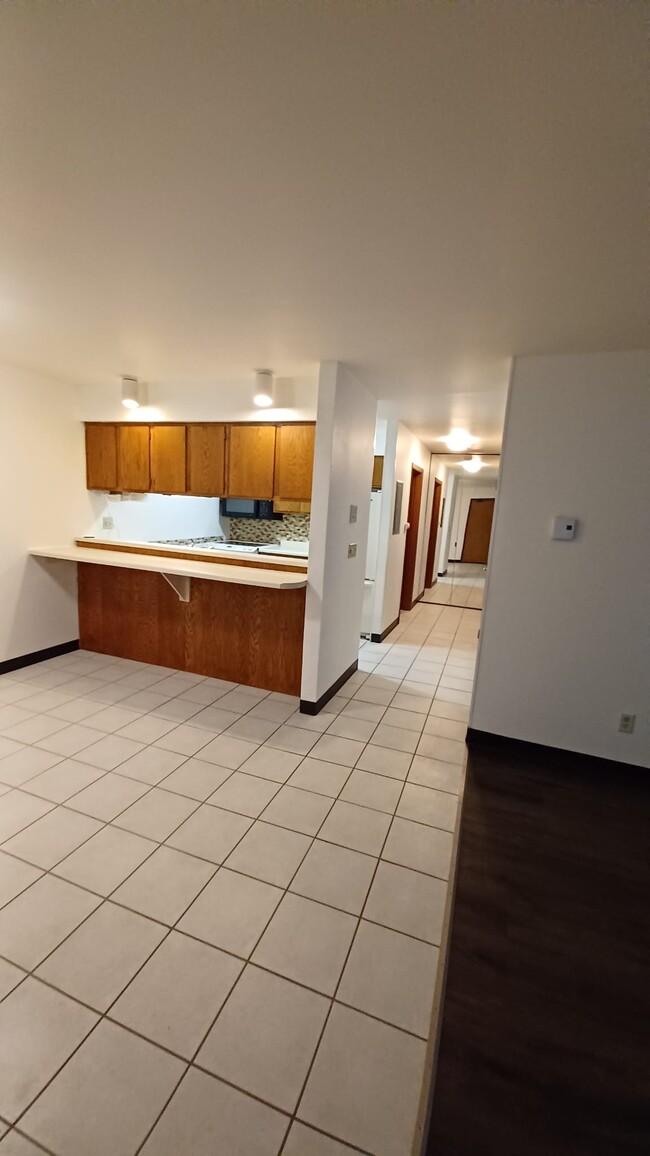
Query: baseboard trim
[22,660]
[418,599]
[487,741]
[307,707]
[384,633]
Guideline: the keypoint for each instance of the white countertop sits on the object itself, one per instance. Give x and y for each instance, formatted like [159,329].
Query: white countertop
[270,578]
[275,556]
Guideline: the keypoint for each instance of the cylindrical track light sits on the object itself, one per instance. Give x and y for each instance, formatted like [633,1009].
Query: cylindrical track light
[134,393]
[263,396]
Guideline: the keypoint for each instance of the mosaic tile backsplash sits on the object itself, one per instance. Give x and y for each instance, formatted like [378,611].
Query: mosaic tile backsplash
[293,526]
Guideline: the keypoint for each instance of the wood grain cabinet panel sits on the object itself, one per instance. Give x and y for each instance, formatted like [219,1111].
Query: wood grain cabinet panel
[245,634]
[251,461]
[377,473]
[294,462]
[101,456]
[206,460]
[168,459]
[133,458]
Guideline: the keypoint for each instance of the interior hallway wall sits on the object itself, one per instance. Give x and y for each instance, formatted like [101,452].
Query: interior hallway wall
[343,460]
[565,641]
[44,502]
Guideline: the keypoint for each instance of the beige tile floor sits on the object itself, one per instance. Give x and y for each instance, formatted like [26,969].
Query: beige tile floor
[220,920]
[462,585]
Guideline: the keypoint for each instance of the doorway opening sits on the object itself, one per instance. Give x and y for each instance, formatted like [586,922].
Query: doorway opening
[433,534]
[476,540]
[463,535]
[408,598]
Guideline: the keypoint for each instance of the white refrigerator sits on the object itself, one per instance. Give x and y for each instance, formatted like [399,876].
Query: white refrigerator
[371,563]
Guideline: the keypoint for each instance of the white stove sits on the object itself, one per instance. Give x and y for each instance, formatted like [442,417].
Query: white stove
[216,544]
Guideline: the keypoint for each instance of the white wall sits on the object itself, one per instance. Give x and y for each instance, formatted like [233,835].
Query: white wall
[466,489]
[202,401]
[402,450]
[154,517]
[343,462]
[43,502]
[565,642]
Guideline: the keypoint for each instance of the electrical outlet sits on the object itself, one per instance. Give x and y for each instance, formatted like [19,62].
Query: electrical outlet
[353,514]
[107,522]
[352,550]
[626,723]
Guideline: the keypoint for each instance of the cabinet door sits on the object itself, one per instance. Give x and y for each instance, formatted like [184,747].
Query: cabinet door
[101,457]
[294,462]
[206,460]
[168,459]
[377,473]
[133,465]
[251,457]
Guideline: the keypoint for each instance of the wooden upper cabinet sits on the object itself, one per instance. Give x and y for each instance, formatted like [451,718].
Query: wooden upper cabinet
[294,462]
[168,459]
[101,457]
[251,459]
[206,460]
[133,458]
[377,473]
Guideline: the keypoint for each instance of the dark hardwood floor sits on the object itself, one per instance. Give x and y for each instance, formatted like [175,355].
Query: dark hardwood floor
[545,1044]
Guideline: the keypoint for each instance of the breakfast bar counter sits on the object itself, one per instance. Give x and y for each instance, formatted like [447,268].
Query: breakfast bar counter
[241,623]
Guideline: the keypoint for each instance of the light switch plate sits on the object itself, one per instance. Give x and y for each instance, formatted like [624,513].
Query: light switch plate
[564,528]
[352,550]
[353,514]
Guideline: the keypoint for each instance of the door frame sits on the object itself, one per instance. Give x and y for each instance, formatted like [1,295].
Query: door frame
[429,579]
[407,599]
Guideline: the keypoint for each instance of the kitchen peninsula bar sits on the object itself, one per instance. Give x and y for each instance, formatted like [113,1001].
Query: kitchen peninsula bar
[239,622]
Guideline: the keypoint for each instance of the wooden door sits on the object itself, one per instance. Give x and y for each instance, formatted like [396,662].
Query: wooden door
[133,460]
[411,546]
[294,462]
[206,460]
[101,457]
[251,459]
[168,459]
[476,542]
[433,534]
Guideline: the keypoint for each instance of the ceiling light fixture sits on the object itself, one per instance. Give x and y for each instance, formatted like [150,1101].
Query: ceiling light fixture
[134,393]
[473,464]
[263,388]
[458,440]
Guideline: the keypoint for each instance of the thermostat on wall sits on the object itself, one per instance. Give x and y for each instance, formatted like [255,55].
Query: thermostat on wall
[564,528]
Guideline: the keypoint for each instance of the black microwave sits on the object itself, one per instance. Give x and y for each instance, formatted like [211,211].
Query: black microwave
[247,508]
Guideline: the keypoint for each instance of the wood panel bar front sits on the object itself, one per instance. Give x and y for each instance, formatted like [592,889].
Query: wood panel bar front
[246,634]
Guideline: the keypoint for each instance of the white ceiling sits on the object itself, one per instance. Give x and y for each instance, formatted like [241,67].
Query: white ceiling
[421,189]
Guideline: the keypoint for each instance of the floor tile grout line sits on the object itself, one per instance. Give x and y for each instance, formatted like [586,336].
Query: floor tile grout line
[106,898]
[341,974]
[301,1096]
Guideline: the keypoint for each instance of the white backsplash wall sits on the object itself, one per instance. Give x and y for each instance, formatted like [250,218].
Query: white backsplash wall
[293,527]
[154,517]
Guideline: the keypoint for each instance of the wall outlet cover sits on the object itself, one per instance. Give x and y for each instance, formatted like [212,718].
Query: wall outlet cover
[352,550]
[107,522]
[626,723]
